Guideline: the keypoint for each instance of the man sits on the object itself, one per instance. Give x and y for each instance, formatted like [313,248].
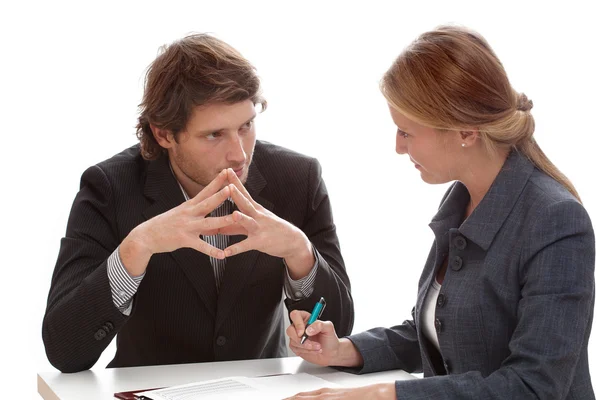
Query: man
[181,245]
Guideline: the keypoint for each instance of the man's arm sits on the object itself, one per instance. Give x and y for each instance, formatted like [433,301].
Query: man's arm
[81,318]
[82,315]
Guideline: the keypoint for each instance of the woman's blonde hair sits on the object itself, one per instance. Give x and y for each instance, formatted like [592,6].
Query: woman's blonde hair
[451,79]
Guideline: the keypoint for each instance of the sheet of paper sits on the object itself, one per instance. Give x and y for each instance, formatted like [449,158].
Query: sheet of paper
[272,387]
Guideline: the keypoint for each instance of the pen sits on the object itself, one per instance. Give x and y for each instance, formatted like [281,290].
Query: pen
[316,314]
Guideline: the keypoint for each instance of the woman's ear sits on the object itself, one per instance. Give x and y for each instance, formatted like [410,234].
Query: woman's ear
[468,138]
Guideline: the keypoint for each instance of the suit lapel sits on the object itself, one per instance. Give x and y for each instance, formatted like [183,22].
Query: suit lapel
[162,189]
[239,267]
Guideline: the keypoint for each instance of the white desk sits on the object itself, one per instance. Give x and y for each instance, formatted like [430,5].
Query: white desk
[102,384]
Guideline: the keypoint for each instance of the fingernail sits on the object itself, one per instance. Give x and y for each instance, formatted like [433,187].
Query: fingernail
[309,330]
[227,253]
[300,333]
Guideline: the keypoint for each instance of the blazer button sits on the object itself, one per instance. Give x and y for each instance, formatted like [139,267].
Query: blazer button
[460,242]
[110,326]
[457,263]
[100,334]
[221,340]
[441,300]
[447,366]
[438,325]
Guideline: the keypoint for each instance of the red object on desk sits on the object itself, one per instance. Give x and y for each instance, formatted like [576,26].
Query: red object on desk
[131,395]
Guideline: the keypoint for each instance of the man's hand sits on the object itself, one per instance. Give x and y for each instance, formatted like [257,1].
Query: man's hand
[177,228]
[266,232]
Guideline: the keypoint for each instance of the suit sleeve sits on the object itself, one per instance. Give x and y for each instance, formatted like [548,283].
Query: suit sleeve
[554,317]
[81,318]
[331,280]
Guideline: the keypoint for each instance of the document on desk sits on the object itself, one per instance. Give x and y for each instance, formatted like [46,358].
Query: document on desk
[271,387]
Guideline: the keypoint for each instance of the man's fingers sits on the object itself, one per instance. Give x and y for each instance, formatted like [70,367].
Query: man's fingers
[245,221]
[233,179]
[203,247]
[245,205]
[231,230]
[213,225]
[206,206]
[212,188]
[241,247]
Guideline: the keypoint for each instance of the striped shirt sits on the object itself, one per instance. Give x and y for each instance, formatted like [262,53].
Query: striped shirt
[123,286]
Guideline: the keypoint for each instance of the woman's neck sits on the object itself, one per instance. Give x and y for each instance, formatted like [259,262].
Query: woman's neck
[482,170]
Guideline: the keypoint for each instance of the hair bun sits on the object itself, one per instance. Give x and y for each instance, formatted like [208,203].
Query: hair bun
[523,103]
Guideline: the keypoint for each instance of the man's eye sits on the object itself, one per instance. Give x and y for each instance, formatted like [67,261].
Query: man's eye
[213,136]
[248,125]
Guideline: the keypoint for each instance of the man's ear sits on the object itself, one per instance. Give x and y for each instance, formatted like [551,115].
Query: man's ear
[468,138]
[164,137]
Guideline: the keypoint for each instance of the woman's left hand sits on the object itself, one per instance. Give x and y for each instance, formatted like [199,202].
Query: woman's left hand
[380,391]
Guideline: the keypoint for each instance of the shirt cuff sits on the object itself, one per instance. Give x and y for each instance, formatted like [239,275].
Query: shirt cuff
[302,288]
[122,285]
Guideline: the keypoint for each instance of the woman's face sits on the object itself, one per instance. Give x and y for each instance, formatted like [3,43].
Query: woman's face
[433,153]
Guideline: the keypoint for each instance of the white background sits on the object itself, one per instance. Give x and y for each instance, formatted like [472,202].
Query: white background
[71,79]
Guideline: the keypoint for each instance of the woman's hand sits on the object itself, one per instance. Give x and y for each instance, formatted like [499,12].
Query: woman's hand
[322,347]
[380,391]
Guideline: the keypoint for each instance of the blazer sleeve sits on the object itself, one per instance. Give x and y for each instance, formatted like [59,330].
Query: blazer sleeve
[81,318]
[384,349]
[554,317]
[331,280]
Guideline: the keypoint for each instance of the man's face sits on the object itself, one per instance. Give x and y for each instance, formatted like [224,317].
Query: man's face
[217,136]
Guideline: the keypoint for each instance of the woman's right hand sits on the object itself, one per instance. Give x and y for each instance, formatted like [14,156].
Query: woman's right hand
[322,347]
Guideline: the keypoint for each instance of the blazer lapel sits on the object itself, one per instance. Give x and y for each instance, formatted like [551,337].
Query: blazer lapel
[239,267]
[162,189]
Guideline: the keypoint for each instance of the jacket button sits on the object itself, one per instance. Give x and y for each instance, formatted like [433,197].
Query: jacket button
[447,366]
[441,300]
[457,263]
[438,325]
[100,334]
[110,326]
[460,242]
[221,340]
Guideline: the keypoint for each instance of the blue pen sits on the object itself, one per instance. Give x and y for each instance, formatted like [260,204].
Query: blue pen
[316,314]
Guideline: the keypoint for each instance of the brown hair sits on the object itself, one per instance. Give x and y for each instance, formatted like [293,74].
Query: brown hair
[451,79]
[194,71]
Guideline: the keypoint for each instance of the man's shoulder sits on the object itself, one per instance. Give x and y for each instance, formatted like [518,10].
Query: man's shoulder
[131,157]
[272,155]
[125,169]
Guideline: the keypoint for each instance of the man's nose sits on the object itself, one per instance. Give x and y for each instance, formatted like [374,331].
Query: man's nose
[236,153]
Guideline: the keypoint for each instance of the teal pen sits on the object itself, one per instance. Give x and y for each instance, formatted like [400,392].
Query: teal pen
[316,314]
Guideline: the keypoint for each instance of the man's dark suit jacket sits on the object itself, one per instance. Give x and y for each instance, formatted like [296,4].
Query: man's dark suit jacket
[177,315]
[514,313]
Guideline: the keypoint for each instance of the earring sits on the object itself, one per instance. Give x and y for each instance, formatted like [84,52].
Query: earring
[463,145]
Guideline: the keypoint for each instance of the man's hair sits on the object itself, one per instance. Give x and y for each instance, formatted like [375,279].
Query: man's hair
[197,70]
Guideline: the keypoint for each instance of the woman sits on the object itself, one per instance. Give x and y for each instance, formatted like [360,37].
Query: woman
[505,301]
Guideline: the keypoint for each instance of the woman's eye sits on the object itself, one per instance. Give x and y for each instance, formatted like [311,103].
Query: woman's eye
[403,134]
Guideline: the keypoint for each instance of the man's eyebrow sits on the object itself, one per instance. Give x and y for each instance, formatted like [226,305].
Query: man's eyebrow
[209,131]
